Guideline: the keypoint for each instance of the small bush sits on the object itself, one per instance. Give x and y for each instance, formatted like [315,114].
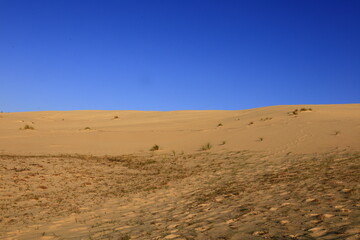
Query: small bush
[260,139]
[116,117]
[297,111]
[219,125]
[251,123]
[266,119]
[155,148]
[205,147]
[28,127]
[223,143]
[87,128]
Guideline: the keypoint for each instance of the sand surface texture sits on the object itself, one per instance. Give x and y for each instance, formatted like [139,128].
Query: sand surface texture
[266,173]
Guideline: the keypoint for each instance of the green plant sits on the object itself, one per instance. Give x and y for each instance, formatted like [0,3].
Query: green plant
[155,148]
[28,127]
[205,147]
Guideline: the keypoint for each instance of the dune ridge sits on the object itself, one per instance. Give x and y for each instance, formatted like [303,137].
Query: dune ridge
[324,128]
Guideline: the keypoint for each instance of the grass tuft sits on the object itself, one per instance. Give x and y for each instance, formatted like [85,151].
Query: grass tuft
[155,148]
[28,127]
[205,147]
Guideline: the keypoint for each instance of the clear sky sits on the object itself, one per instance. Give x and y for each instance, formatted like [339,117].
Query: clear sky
[177,55]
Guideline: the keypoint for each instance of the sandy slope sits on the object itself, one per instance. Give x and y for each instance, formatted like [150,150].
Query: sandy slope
[324,128]
[278,175]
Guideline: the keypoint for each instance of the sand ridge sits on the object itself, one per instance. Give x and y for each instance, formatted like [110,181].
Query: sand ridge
[325,127]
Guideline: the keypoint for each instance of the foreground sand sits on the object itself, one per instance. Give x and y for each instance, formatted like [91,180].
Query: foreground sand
[270,174]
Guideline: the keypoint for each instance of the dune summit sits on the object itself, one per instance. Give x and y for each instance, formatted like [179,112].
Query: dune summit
[278,129]
[281,172]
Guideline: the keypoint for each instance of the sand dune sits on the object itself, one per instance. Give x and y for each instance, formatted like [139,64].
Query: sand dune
[269,173]
[324,128]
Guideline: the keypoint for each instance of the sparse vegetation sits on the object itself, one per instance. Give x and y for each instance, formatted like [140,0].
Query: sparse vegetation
[87,128]
[116,117]
[219,125]
[296,111]
[28,127]
[155,148]
[266,119]
[250,123]
[238,181]
[206,146]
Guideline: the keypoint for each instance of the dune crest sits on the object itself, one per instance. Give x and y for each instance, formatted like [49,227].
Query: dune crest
[278,129]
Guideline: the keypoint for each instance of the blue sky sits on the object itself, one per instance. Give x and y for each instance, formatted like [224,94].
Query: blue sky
[177,55]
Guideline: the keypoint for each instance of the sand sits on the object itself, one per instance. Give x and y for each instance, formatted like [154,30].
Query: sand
[265,173]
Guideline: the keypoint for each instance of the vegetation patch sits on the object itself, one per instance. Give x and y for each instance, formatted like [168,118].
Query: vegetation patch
[27,127]
[206,147]
[155,147]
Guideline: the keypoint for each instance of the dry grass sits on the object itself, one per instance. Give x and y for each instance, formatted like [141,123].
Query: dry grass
[198,191]
[155,147]
[205,147]
[86,177]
